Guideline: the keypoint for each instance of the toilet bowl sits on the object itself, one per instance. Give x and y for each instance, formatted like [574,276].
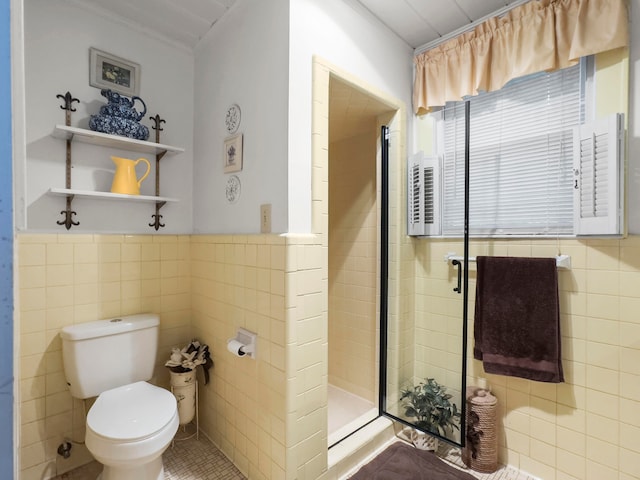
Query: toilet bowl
[128,429]
[131,422]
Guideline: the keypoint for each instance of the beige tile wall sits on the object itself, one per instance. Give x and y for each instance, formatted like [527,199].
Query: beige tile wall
[310,455]
[268,415]
[353,239]
[68,279]
[400,305]
[240,281]
[307,344]
[581,430]
[587,427]
[439,312]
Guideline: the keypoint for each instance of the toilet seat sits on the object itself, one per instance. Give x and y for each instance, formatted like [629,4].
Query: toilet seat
[131,413]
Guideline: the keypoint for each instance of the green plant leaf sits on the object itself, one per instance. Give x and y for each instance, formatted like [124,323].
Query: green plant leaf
[429,403]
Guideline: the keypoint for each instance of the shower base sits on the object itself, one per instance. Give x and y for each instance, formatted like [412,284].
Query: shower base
[347,413]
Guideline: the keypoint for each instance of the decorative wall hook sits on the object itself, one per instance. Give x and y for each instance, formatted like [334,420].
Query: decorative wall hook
[156,223]
[68,221]
[68,101]
[157,126]
[157,120]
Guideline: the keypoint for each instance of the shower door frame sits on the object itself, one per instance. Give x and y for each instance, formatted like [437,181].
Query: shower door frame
[384,285]
[393,113]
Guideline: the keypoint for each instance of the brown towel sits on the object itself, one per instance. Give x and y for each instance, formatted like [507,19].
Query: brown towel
[400,461]
[517,318]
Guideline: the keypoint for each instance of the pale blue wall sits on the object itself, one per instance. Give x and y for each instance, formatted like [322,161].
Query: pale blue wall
[6,252]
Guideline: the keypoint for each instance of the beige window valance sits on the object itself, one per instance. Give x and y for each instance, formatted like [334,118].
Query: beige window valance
[541,35]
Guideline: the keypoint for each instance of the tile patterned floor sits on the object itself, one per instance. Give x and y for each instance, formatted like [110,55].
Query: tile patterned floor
[200,460]
[186,460]
[452,456]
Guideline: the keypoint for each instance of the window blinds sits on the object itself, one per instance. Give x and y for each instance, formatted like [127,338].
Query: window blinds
[521,144]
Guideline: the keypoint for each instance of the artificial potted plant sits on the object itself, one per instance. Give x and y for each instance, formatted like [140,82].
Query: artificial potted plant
[182,364]
[431,405]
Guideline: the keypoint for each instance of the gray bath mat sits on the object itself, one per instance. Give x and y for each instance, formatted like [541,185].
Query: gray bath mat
[400,461]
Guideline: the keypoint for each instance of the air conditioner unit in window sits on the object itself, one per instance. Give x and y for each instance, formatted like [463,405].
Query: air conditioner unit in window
[423,195]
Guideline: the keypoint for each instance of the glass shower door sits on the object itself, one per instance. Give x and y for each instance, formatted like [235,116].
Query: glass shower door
[424,365]
[423,326]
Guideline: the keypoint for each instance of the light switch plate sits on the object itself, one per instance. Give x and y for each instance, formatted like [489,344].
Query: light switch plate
[265,218]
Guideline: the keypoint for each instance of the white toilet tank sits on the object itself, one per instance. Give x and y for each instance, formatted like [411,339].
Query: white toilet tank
[98,356]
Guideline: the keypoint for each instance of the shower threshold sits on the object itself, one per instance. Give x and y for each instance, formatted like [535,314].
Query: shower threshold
[347,413]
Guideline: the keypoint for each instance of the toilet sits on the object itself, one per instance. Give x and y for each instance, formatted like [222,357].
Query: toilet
[131,422]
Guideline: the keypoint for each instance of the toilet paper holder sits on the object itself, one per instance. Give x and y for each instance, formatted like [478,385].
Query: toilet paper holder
[244,343]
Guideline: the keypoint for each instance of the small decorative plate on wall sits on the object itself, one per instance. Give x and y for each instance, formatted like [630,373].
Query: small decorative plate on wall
[232,190]
[232,118]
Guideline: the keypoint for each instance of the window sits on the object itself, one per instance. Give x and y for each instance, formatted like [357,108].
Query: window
[521,143]
[522,174]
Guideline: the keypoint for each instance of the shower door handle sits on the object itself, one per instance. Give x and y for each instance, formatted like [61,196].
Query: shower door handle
[458,265]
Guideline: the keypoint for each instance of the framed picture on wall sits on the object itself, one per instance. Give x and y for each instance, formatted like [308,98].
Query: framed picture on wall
[113,73]
[233,153]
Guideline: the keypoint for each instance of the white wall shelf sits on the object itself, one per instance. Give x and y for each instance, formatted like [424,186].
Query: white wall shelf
[110,196]
[105,140]
[74,134]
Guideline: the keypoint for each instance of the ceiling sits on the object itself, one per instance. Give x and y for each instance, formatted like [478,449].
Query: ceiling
[182,21]
[185,22]
[417,22]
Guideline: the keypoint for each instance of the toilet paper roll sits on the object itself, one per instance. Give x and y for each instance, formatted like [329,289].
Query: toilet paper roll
[235,347]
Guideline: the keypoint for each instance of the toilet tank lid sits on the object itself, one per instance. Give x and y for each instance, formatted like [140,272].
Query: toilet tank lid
[111,326]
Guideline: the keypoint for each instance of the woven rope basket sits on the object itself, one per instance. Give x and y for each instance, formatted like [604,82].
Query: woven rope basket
[481,450]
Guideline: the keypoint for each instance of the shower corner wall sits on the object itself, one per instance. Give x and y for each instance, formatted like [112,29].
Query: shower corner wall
[323,76]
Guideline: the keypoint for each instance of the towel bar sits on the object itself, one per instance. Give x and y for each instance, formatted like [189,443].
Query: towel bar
[562,261]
